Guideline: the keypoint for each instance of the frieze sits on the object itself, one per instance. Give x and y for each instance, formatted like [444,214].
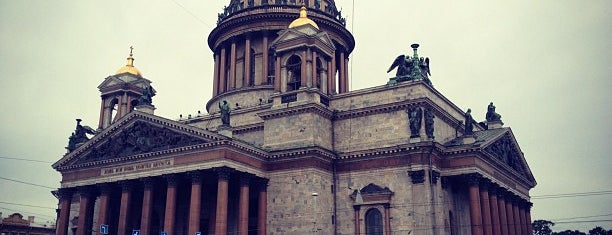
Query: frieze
[137,167]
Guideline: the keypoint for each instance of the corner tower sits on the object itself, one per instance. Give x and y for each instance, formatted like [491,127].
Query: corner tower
[249,68]
[122,92]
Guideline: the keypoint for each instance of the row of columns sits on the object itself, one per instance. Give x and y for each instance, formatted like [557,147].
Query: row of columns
[88,195]
[222,84]
[494,210]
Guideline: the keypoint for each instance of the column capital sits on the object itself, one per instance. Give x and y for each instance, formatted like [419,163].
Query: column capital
[445,181]
[148,182]
[86,191]
[417,176]
[356,207]
[245,178]
[485,183]
[223,173]
[434,176]
[387,205]
[105,188]
[195,176]
[493,188]
[262,183]
[126,185]
[172,179]
[472,178]
[65,193]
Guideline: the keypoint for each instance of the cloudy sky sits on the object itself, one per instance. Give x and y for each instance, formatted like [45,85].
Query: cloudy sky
[545,64]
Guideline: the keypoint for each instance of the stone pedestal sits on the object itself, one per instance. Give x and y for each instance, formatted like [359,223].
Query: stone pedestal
[145,108]
[495,124]
[469,139]
[225,130]
[415,139]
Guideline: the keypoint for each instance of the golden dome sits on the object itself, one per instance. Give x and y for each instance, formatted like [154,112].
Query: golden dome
[303,20]
[129,67]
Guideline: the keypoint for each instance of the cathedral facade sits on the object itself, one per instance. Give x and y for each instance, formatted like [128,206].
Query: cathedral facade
[287,148]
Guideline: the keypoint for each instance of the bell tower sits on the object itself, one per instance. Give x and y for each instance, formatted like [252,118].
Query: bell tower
[122,92]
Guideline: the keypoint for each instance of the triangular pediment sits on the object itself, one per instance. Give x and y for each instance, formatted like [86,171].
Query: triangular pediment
[136,134]
[304,35]
[123,79]
[504,147]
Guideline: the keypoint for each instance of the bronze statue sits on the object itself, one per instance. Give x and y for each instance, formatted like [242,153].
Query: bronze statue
[225,113]
[79,136]
[147,95]
[469,122]
[411,68]
[429,123]
[414,116]
[491,115]
[403,64]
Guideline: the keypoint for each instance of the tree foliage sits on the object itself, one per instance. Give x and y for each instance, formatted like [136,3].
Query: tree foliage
[599,231]
[542,227]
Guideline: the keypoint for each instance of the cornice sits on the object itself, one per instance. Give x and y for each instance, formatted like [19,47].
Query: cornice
[306,151]
[304,108]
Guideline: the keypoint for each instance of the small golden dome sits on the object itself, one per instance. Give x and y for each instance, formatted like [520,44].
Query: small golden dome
[129,67]
[303,20]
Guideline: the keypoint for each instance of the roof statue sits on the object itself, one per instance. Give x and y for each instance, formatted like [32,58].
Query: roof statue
[79,136]
[409,69]
[225,110]
[491,115]
[147,94]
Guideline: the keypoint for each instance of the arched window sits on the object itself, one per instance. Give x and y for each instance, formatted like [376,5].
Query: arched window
[317,82]
[373,222]
[294,73]
[271,68]
[114,109]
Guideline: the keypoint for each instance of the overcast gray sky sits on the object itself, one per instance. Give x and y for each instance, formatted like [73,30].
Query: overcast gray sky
[545,64]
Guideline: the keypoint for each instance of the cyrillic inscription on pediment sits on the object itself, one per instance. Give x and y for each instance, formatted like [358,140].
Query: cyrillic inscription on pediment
[140,137]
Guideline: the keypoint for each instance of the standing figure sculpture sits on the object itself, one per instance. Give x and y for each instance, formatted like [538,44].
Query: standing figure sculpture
[225,113]
[469,123]
[491,115]
[429,123]
[414,116]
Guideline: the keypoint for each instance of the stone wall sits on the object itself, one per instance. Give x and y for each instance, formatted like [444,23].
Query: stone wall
[291,206]
[374,131]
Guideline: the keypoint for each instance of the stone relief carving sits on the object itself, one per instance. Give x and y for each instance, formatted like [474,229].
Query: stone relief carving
[139,138]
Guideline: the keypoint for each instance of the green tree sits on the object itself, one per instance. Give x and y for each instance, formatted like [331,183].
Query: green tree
[599,231]
[542,227]
[569,232]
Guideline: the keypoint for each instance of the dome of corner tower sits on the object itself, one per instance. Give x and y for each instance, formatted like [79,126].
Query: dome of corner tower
[129,67]
[303,20]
